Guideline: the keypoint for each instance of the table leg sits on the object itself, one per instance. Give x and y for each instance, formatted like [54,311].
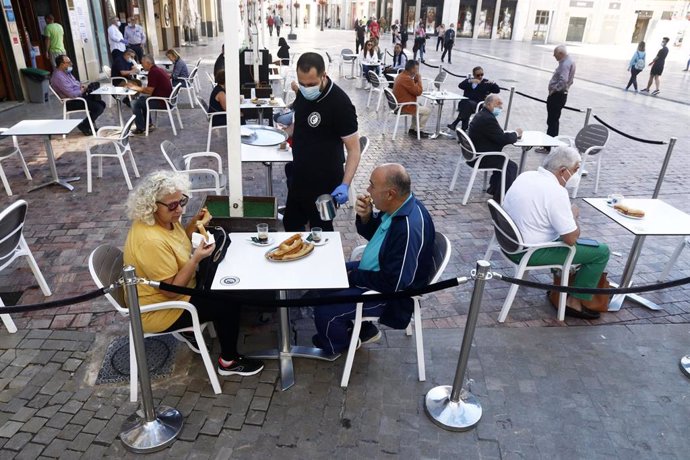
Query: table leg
[53,171]
[269,178]
[439,132]
[119,111]
[626,280]
[523,156]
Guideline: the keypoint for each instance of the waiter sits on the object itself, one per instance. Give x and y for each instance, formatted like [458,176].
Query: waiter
[325,119]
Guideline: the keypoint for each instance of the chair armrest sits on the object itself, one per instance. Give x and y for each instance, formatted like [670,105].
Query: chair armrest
[115,130]
[593,150]
[215,114]
[190,156]
[169,304]
[402,104]
[357,252]
[211,172]
[567,139]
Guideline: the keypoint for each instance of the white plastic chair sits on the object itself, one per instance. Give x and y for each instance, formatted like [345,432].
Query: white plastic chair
[202,179]
[510,241]
[378,84]
[210,117]
[190,85]
[170,106]
[111,142]
[12,246]
[105,265]
[435,84]
[468,154]
[66,112]
[590,141]
[7,152]
[674,257]
[441,256]
[396,110]
[115,81]
[344,59]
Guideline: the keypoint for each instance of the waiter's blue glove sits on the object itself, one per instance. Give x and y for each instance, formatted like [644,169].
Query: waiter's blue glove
[340,193]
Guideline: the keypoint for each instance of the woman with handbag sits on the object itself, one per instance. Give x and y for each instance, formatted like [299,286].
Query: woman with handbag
[160,249]
[636,65]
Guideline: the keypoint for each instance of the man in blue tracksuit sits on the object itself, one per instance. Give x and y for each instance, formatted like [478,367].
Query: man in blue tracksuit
[398,256]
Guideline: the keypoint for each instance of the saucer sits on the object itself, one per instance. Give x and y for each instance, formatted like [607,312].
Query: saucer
[255,241]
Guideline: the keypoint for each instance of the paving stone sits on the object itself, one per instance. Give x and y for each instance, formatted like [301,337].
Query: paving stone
[59,420]
[23,414]
[9,429]
[82,417]
[70,431]
[264,389]
[259,403]
[34,424]
[255,417]
[18,441]
[82,442]
[46,435]
[56,448]
[30,451]
[111,430]
[39,401]
[193,424]
[234,422]
[48,411]
[94,426]
[71,365]
[71,407]
[105,412]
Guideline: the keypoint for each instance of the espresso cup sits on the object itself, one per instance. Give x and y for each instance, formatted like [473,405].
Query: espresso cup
[316,234]
[262,232]
[614,198]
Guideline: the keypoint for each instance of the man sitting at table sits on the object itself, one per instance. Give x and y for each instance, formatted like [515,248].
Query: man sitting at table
[407,88]
[488,136]
[475,90]
[158,85]
[398,256]
[66,86]
[398,64]
[539,204]
[124,67]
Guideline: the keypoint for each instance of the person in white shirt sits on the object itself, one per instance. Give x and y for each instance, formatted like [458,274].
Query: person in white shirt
[370,60]
[115,39]
[135,37]
[539,204]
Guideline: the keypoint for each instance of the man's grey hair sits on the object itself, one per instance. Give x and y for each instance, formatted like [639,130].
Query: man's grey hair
[561,157]
[398,178]
[561,49]
[491,99]
[148,57]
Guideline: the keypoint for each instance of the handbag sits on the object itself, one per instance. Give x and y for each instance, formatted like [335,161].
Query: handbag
[599,302]
[209,265]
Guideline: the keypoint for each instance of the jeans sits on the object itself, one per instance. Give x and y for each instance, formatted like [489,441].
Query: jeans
[592,262]
[554,105]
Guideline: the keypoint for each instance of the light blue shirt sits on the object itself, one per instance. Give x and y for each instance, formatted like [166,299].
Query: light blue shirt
[370,257]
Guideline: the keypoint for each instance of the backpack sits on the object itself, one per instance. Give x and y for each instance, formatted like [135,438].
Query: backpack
[639,63]
[209,265]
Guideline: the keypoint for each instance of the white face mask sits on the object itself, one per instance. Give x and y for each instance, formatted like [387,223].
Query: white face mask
[574,180]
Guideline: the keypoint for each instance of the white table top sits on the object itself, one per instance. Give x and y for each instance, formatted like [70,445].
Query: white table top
[443,96]
[660,217]
[253,153]
[245,267]
[115,90]
[43,127]
[538,139]
[275,77]
[279,104]
[273,66]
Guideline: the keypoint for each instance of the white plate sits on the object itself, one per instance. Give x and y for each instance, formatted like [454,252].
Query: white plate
[629,217]
[256,243]
[320,243]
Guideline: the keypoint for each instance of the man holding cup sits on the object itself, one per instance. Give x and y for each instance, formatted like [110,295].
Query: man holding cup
[398,256]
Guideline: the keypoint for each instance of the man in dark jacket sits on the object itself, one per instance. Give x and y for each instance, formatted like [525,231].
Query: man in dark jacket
[488,136]
[448,43]
[398,256]
[475,89]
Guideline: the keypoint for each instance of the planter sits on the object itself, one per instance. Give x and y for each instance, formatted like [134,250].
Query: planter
[257,210]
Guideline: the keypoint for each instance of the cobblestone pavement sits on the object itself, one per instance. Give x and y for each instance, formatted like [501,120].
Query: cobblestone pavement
[618,367]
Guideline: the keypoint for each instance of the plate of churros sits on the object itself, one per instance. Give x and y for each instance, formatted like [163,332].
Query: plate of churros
[293,248]
[627,211]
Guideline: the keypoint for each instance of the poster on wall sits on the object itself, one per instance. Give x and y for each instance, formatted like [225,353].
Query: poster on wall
[465,21]
[431,20]
[505,23]
[485,22]
[410,18]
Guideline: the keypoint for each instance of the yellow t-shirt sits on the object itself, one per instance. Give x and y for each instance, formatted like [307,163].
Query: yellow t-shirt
[158,254]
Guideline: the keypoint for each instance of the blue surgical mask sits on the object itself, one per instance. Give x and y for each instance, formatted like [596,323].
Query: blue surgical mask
[497,111]
[69,69]
[310,93]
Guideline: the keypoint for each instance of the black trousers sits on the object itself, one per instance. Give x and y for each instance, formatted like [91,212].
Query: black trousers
[633,78]
[554,106]
[300,209]
[439,42]
[95,107]
[449,50]
[359,42]
[496,161]
[466,108]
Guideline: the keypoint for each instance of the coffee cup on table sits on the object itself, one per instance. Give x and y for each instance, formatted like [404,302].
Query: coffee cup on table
[614,199]
[262,233]
[316,234]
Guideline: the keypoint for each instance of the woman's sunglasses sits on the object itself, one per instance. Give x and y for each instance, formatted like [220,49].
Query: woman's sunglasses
[174,204]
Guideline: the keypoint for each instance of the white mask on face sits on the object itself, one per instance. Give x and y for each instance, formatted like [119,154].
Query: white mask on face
[574,180]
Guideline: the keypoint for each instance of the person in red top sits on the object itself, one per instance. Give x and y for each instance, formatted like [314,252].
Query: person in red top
[158,85]
[270,23]
[374,29]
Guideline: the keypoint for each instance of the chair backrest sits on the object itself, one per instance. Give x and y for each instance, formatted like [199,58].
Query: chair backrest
[344,52]
[363,145]
[105,265]
[173,156]
[507,233]
[592,136]
[373,78]
[198,63]
[390,98]
[173,95]
[480,106]
[11,225]
[192,74]
[440,78]
[57,96]
[203,104]
[107,71]
[211,79]
[440,256]
[127,130]
[469,152]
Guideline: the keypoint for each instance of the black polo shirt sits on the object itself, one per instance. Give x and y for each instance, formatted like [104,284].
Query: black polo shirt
[120,64]
[317,142]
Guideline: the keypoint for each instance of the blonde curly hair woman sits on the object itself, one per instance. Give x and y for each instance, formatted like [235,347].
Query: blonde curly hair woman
[160,249]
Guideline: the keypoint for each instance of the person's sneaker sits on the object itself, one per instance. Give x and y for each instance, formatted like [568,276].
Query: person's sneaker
[584,173]
[241,366]
[369,333]
[646,90]
[138,132]
[655,92]
[452,126]
[189,339]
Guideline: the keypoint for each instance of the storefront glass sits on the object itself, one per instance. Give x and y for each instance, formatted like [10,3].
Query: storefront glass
[485,19]
[465,25]
[505,19]
[409,16]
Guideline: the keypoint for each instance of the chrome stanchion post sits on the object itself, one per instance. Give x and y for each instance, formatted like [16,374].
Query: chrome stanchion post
[453,408]
[510,104]
[664,166]
[588,115]
[159,427]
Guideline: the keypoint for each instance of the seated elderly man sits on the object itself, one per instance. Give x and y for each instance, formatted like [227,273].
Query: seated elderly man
[66,86]
[158,85]
[538,202]
[398,256]
[488,136]
[407,88]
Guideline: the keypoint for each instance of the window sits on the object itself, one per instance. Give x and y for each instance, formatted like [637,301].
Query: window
[667,15]
[541,25]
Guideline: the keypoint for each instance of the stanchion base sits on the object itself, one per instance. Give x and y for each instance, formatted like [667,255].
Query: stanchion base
[140,436]
[685,365]
[452,416]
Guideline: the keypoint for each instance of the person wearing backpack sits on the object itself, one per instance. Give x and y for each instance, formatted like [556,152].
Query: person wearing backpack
[636,65]
[448,42]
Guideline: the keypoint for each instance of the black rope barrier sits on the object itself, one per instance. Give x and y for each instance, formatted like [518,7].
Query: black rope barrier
[55,303]
[307,301]
[581,290]
[645,141]
[453,74]
[574,109]
[389,53]
[429,65]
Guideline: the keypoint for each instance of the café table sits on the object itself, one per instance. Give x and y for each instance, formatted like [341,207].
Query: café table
[661,219]
[273,69]
[246,268]
[266,155]
[120,92]
[47,128]
[353,58]
[278,103]
[440,97]
[531,139]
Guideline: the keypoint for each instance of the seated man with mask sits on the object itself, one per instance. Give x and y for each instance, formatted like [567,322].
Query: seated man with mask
[539,204]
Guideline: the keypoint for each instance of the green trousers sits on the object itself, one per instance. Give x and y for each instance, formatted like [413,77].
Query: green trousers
[592,261]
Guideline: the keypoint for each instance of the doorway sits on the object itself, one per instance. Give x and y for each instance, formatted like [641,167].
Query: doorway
[576,29]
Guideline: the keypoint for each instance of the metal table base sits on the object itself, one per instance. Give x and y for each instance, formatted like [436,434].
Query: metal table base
[626,280]
[438,132]
[65,182]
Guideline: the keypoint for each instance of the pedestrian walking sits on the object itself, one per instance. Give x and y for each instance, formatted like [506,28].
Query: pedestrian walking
[636,65]
[359,36]
[448,43]
[278,23]
[419,42]
[560,83]
[270,23]
[440,32]
[53,34]
[657,66]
